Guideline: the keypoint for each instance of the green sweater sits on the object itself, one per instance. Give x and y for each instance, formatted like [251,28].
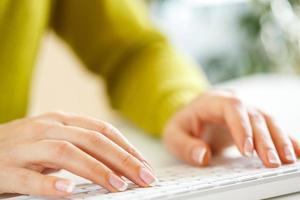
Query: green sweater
[147,80]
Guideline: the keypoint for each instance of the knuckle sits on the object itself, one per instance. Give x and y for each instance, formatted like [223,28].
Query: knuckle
[270,118]
[97,168]
[225,92]
[60,149]
[103,126]
[45,186]
[37,127]
[108,129]
[92,137]
[234,101]
[24,178]
[132,151]
[56,115]
[255,115]
[94,168]
[126,160]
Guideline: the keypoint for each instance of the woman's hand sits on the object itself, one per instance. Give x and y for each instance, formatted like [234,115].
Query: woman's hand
[87,147]
[215,120]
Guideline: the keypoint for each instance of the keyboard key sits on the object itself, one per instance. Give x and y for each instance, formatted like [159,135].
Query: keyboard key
[183,179]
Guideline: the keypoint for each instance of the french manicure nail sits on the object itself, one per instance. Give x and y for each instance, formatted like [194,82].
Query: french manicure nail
[64,186]
[147,177]
[198,155]
[117,183]
[289,153]
[248,147]
[273,157]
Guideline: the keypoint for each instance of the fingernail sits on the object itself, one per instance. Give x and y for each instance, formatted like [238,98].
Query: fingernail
[198,155]
[248,147]
[273,157]
[64,186]
[147,177]
[289,153]
[117,183]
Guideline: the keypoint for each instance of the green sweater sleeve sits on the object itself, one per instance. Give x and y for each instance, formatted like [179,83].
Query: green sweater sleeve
[147,80]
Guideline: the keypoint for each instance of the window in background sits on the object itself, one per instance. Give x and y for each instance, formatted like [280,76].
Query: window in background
[232,38]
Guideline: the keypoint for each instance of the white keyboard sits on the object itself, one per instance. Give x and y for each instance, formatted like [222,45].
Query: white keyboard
[237,178]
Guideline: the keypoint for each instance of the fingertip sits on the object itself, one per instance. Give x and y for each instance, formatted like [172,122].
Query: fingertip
[201,155]
[272,160]
[117,183]
[148,178]
[54,187]
[188,148]
[296,146]
[297,151]
[270,165]
[64,186]
[207,158]
[34,183]
[287,154]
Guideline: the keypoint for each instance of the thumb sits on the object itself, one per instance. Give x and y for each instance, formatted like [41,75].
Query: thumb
[186,147]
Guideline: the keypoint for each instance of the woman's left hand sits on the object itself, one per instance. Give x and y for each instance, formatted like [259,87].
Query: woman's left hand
[216,120]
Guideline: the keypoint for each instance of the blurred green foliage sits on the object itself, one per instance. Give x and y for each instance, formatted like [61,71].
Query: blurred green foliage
[269,45]
[270,32]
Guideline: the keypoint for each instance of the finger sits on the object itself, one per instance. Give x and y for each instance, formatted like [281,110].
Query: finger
[228,110]
[282,142]
[102,127]
[186,147]
[106,151]
[23,181]
[66,156]
[263,143]
[237,119]
[296,146]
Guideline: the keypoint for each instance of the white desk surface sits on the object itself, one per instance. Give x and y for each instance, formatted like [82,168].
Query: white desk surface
[60,84]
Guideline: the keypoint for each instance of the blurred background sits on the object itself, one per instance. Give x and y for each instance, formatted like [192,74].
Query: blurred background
[233,38]
[229,38]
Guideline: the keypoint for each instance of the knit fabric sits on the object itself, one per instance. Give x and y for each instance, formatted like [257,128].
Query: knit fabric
[147,79]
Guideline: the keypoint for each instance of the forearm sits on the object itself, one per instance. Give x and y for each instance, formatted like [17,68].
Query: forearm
[154,84]
[147,79]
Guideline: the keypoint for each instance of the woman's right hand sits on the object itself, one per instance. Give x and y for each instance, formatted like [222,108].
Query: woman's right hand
[85,146]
